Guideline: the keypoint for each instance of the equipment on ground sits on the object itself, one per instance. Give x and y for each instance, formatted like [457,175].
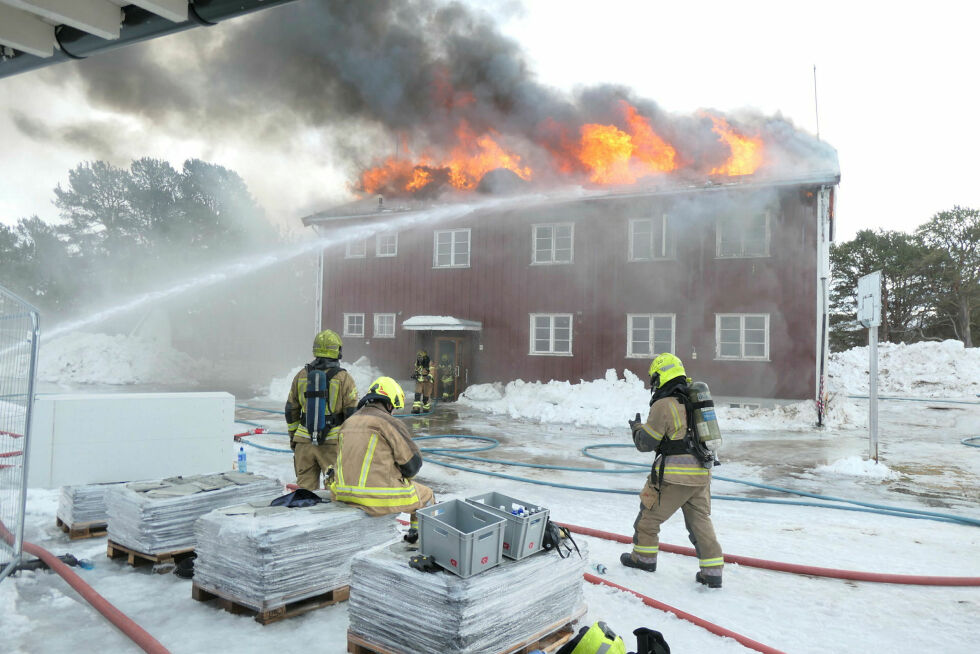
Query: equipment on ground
[327,344]
[554,539]
[595,639]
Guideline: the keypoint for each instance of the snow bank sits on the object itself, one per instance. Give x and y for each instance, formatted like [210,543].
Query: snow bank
[80,358]
[855,466]
[361,370]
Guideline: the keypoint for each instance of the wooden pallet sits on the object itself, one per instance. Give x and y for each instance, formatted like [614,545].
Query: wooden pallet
[134,558]
[288,610]
[79,530]
[550,639]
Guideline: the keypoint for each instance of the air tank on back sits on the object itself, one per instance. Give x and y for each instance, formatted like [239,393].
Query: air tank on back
[705,422]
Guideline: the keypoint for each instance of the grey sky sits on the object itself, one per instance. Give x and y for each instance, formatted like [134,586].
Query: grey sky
[897,92]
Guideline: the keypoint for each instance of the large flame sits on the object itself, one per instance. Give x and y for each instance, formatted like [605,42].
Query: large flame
[617,157]
[746,154]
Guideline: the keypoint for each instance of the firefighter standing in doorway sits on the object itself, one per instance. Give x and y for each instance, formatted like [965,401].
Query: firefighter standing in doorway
[378,458]
[425,375]
[447,378]
[315,454]
[683,480]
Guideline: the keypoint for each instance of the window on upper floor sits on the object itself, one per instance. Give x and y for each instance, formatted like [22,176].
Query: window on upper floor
[356,249]
[451,248]
[384,325]
[742,235]
[743,336]
[649,334]
[552,243]
[651,238]
[386,245]
[551,334]
[354,324]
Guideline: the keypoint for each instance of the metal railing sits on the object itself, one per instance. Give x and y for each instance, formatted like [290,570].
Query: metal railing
[19,334]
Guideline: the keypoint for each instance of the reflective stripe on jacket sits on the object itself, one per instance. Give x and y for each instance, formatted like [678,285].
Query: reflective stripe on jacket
[668,417]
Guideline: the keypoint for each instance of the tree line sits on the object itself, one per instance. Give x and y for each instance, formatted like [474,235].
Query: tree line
[930,281]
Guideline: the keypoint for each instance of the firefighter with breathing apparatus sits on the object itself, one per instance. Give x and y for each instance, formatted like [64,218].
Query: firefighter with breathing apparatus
[683,431]
[321,397]
[424,375]
[447,378]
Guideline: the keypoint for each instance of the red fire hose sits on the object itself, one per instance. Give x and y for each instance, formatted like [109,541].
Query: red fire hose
[815,571]
[123,622]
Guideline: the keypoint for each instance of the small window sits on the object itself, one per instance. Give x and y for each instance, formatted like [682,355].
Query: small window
[551,334]
[386,245]
[354,324]
[384,325]
[742,336]
[356,249]
[451,249]
[649,334]
[552,243]
[650,238]
[742,236]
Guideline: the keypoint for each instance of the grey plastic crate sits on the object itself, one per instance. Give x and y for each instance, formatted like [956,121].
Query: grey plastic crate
[523,534]
[460,537]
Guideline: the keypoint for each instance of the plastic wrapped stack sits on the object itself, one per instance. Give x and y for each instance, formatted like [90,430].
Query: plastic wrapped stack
[268,556]
[154,517]
[80,505]
[393,605]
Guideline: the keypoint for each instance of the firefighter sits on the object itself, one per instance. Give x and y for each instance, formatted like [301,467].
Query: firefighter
[683,482]
[446,378]
[310,458]
[425,375]
[378,458]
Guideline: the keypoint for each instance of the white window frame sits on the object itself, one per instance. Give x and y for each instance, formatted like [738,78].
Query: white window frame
[452,248]
[742,356]
[349,253]
[742,217]
[554,237]
[347,331]
[377,244]
[551,338]
[666,249]
[378,333]
[653,351]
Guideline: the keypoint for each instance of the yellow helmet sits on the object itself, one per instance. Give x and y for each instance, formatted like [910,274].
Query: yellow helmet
[387,389]
[664,368]
[327,344]
[598,638]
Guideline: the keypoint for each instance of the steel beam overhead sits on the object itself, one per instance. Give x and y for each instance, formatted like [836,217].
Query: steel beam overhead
[98,17]
[175,10]
[25,32]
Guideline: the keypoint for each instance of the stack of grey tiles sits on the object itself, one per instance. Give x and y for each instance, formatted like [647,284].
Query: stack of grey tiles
[264,557]
[78,505]
[153,517]
[395,606]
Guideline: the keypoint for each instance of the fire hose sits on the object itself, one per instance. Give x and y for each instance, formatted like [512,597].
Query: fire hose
[124,623]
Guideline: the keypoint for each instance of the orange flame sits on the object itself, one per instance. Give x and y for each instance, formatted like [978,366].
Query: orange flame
[746,154]
[618,157]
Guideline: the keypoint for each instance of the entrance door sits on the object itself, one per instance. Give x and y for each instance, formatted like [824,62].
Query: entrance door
[452,367]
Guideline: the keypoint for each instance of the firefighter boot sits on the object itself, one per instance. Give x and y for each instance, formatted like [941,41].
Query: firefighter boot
[426,405]
[626,558]
[416,407]
[412,536]
[709,580]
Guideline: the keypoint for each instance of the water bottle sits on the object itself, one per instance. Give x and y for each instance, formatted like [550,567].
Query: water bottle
[599,568]
[241,460]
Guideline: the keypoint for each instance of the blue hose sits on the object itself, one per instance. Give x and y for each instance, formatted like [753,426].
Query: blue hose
[971,441]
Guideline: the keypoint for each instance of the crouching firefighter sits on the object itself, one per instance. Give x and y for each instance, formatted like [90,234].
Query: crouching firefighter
[425,375]
[321,397]
[681,428]
[378,458]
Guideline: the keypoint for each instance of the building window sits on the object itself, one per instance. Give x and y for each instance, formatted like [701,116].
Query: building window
[356,249]
[744,235]
[384,325]
[354,324]
[649,334]
[650,238]
[386,245]
[451,249]
[552,243]
[551,333]
[742,336]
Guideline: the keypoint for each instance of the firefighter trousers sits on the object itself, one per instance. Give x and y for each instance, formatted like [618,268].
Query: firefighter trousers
[311,461]
[656,507]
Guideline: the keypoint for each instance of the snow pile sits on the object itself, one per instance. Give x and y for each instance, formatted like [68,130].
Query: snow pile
[855,466]
[927,369]
[361,370]
[80,358]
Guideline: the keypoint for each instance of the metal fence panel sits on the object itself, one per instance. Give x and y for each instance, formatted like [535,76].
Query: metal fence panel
[19,333]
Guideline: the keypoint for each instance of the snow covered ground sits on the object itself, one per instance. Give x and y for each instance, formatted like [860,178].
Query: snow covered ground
[923,465]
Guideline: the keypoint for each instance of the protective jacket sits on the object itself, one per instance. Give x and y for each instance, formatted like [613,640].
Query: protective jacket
[668,419]
[341,400]
[424,376]
[376,462]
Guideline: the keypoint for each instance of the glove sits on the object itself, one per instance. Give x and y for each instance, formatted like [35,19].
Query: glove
[635,423]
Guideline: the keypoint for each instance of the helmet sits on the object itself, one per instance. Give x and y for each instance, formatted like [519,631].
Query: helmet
[327,344]
[664,368]
[598,638]
[445,358]
[388,390]
[422,357]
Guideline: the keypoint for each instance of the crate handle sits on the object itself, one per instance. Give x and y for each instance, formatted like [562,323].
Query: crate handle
[480,517]
[486,535]
[440,530]
[535,521]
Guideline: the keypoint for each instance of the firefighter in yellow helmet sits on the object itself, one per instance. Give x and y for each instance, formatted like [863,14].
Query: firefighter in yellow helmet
[424,374]
[682,483]
[313,416]
[378,458]
[447,378]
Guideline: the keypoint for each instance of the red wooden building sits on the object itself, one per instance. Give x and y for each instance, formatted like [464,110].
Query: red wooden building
[731,277]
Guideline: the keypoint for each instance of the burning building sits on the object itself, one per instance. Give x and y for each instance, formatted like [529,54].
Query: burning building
[705,237]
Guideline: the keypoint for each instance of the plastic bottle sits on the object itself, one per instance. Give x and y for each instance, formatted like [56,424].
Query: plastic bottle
[242,465]
[599,568]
